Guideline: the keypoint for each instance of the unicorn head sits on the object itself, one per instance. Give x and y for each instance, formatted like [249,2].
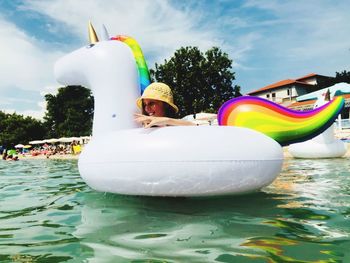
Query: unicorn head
[115,75]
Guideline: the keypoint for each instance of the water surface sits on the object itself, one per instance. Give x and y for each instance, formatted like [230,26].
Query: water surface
[48,214]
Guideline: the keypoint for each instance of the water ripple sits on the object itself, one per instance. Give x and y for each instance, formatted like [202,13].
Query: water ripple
[48,214]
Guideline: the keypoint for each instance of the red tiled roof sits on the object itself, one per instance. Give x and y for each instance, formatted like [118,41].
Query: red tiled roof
[302,103]
[313,75]
[345,96]
[285,82]
[308,76]
[280,84]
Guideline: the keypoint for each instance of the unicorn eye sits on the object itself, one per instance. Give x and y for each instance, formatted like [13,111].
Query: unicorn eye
[90,46]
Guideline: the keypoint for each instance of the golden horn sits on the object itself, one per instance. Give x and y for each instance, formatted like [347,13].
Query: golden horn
[92,34]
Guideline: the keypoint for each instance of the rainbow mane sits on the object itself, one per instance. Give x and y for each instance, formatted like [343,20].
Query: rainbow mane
[140,60]
[284,125]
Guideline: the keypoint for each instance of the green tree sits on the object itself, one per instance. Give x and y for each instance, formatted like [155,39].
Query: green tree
[16,129]
[70,112]
[200,82]
[343,76]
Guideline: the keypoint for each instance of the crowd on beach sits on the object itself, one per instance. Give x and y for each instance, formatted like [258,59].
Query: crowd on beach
[61,149]
[45,150]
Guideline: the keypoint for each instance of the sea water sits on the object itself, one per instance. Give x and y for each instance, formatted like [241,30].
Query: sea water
[48,214]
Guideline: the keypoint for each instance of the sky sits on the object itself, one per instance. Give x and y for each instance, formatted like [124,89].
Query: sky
[268,40]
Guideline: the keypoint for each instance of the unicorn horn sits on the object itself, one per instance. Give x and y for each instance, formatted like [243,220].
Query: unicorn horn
[92,34]
[105,35]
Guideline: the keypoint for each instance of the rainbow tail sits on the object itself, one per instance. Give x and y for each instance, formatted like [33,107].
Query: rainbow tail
[281,124]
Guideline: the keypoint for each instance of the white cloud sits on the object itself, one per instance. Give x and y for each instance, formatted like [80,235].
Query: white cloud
[39,115]
[296,38]
[268,40]
[23,63]
[156,24]
[49,90]
[307,30]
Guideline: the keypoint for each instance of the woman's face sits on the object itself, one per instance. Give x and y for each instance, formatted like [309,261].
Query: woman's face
[153,107]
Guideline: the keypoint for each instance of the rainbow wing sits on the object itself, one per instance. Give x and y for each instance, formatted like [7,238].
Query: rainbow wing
[140,60]
[281,124]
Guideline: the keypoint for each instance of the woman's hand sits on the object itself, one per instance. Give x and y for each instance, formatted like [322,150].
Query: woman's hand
[151,121]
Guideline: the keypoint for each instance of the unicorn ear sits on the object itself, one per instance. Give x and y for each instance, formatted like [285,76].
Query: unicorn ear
[327,96]
[105,35]
[92,34]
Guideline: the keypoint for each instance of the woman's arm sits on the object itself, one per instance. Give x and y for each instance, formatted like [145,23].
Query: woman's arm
[151,121]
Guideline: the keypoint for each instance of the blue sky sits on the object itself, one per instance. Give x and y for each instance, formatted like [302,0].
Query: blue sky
[268,40]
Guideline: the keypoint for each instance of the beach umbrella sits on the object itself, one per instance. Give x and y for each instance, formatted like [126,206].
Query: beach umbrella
[65,139]
[27,146]
[36,142]
[19,146]
[53,140]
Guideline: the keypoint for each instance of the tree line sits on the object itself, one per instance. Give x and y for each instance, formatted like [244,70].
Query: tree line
[201,82]
[16,128]
[343,76]
[68,113]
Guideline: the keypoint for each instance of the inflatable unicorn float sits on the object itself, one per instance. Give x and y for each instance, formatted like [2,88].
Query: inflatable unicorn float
[174,161]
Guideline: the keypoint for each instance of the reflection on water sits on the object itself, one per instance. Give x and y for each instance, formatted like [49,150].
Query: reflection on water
[47,214]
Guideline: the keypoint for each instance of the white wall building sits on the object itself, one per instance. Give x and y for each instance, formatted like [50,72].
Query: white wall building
[286,91]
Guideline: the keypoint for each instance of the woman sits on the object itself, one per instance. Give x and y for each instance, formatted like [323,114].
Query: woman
[158,108]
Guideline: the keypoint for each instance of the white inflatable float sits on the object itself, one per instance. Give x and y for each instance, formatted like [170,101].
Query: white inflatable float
[171,161]
[324,145]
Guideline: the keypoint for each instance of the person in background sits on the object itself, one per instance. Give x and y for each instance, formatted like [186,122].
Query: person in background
[4,154]
[158,108]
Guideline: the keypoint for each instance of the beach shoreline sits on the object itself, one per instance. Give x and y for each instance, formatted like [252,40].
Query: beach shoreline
[50,157]
[286,155]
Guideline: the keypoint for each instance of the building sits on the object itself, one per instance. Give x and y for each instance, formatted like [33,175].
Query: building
[286,91]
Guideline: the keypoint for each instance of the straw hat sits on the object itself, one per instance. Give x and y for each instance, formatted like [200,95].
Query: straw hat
[158,91]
